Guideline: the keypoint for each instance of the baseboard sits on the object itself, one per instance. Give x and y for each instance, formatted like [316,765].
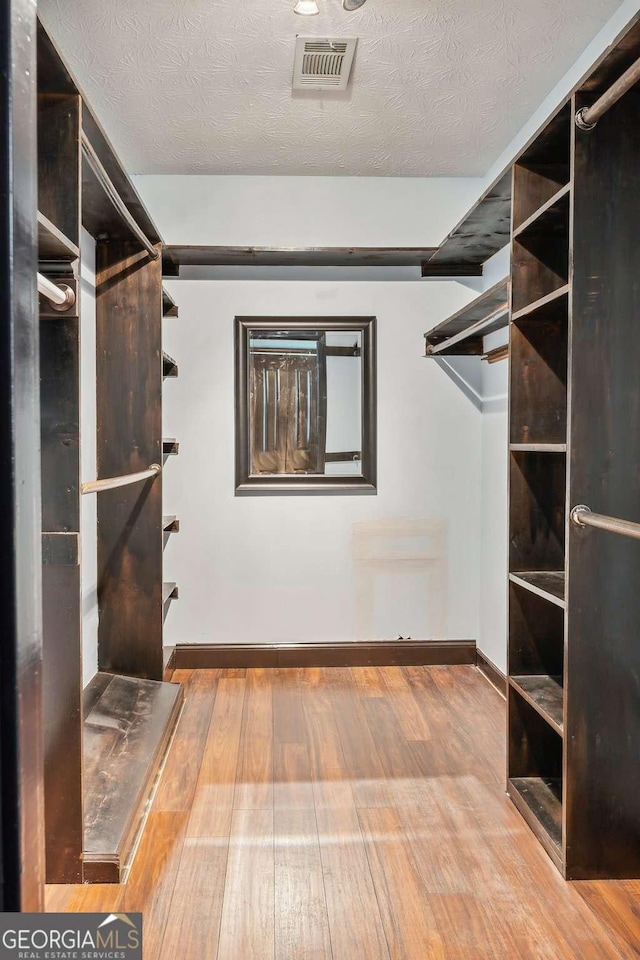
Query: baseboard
[378,653]
[493,674]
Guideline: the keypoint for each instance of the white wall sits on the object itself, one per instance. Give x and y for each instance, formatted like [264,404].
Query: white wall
[492,638]
[267,569]
[88,505]
[306,211]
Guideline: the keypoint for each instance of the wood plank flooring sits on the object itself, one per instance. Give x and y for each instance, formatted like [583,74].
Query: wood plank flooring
[350,814]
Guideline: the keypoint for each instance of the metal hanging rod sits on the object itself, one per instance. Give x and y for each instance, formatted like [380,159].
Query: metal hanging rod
[587,117]
[61,296]
[583,516]
[107,185]
[471,331]
[110,483]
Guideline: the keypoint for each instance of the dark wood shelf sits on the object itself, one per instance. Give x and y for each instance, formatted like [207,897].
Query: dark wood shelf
[548,584]
[170,447]
[538,447]
[99,216]
[169,591]
[169,366]
[551,218]
[463,332]
[170,524]
[169,306]
[541,303]
[52,243]
[127,727]
[545,694]
[201,256]
[485,230]
[539,800]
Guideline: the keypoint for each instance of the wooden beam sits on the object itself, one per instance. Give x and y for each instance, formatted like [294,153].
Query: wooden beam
[203,256]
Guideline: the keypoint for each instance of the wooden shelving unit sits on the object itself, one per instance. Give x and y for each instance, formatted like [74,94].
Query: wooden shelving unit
[462,333]
[90,826]
[574,604]
[170,447]
[59,225]
[539,338]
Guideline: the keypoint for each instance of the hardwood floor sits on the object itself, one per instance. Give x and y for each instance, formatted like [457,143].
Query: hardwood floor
[350,814]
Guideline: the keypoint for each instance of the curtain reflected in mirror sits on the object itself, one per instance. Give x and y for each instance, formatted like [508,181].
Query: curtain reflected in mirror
[306,396]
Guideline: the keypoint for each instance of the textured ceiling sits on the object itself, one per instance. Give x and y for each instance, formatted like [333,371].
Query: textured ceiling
[439,87]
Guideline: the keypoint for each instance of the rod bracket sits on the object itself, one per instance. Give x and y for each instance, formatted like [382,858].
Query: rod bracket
[577,512]
[69,299]
[583,124]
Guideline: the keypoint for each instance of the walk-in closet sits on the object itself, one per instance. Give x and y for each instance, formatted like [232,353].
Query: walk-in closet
[320,480]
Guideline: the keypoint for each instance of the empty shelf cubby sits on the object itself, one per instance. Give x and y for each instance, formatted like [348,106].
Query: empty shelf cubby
[535,767]
[539,375]
[543,169]
[536,634]
[537,511]
[540,267]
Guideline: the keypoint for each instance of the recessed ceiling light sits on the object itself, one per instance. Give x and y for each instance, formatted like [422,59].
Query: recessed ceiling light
[353,4]
[306,8]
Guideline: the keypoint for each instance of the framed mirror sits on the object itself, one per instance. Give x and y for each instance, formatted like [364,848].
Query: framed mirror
[305,405]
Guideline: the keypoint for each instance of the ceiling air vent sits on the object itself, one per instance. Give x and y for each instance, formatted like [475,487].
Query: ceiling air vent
[323,64]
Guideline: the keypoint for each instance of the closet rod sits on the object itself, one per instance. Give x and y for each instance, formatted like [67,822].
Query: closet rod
[116,200]
[110,483]
[587,117]
[582,516]
[61,296]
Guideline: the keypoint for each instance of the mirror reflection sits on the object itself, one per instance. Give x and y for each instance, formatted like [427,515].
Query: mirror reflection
[306,402]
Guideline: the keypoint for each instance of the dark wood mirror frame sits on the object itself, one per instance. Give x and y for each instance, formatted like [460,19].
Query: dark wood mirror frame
[248,484]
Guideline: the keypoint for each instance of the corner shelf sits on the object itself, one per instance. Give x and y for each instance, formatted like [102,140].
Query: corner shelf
[544,694]
[170,524]
[169,366]
[52,243]
[548,584]
[482,232]
[462,333]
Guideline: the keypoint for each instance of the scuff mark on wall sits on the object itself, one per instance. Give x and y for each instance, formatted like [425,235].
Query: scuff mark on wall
[401,576]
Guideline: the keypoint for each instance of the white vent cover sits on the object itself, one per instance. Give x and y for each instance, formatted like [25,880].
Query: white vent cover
[323,64]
